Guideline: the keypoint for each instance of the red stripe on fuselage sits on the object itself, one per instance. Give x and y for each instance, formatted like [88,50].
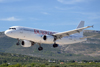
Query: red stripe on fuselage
[43,32]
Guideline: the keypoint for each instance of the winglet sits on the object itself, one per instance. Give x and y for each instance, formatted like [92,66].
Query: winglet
[92,26]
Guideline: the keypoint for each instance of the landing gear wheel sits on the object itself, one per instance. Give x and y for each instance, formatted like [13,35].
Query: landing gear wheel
[40,48]
[55,45]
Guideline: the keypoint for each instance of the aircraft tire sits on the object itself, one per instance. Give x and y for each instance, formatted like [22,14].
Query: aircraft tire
[55,45]
[40,48]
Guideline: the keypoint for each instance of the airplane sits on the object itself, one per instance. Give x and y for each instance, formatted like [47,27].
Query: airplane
[31,36]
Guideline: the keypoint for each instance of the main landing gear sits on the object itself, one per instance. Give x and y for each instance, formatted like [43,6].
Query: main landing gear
[55,45]
[40,48]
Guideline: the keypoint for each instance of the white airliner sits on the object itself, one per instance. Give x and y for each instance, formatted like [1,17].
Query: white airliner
[31,36]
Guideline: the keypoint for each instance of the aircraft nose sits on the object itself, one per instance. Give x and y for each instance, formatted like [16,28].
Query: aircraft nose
[7,32]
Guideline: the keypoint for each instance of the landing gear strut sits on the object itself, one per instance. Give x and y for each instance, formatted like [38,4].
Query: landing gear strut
[55,45]
[40,48]
[18,43]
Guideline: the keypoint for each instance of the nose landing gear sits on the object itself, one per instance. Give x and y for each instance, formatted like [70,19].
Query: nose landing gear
[18,43]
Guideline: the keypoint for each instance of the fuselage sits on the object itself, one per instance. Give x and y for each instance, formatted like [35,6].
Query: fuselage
[36,35]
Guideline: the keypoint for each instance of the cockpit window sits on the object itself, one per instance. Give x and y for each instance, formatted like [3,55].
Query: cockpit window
[12,28]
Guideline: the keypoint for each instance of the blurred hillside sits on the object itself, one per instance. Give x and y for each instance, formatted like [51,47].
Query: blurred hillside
[88,50]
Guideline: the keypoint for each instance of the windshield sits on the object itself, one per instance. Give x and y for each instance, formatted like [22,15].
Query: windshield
[12,28]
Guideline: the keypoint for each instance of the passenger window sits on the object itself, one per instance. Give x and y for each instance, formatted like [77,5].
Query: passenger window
[14,28]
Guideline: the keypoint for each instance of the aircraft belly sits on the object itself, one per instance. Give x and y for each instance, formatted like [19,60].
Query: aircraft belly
[33,37]
[65,41]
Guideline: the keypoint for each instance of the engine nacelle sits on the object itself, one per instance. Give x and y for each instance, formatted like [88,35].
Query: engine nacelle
[48,39]
[26,43]
[44,37]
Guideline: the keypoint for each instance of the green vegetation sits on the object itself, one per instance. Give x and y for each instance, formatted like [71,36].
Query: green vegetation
[92,64]
[17,60]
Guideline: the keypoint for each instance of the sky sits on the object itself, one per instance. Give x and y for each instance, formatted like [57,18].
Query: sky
[52,15]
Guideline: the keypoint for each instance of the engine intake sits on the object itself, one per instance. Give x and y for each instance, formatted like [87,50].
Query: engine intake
[23,43]
[26,43]
[44,37]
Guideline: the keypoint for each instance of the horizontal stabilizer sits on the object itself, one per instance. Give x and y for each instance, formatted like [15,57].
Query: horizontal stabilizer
[88,37]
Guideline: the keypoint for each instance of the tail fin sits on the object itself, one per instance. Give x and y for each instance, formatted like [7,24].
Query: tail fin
[81,24]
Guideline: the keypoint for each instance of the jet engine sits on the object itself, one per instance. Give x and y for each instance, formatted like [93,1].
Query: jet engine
[44,37]
[48,39]
[26,43]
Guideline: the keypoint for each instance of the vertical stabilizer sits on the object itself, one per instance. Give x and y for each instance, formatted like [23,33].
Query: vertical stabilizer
[81,24]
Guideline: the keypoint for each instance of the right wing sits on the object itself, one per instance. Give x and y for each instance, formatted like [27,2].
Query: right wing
[67,33]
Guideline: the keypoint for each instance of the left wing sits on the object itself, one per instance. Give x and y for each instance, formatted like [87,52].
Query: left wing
[67,33]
